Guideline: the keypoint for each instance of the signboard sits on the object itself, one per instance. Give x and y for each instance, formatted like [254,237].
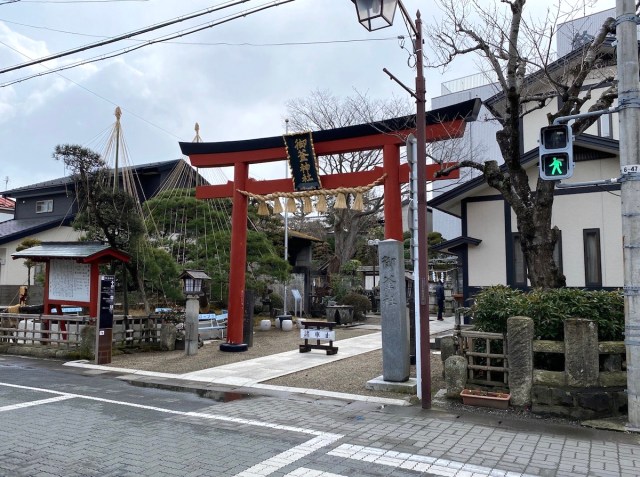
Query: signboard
[302,161]
[630,169]
[322,334]
[106,299]
[69,280]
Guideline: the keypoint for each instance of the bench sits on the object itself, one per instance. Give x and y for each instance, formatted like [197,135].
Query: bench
[211,326]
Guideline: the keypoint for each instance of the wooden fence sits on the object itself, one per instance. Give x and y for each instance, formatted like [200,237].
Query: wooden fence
[486,356]
[65,331]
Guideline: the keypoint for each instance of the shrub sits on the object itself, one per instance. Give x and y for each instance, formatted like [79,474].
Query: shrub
[360,303]
[276,301]
[549,309]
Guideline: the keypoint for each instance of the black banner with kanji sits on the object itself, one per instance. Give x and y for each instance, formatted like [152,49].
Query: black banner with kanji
[302,161]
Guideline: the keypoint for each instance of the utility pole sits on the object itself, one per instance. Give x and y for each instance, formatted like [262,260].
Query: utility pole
[629,123]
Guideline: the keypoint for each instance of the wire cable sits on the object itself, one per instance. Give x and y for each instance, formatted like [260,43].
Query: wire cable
[126,35]
[147,43]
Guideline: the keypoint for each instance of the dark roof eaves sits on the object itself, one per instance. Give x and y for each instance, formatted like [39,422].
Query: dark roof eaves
[68,180]
[28,231]
[584,140]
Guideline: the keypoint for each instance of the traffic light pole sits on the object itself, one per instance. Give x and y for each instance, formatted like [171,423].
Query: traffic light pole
[629,121]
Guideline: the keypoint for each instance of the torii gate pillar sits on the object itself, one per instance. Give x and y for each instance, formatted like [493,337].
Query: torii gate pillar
[238,265]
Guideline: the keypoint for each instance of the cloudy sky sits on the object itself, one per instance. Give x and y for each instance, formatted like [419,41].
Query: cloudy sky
[233,79]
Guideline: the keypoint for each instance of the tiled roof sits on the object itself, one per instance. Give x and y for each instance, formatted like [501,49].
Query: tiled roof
[7,203]
[62,250]
[62,181]
[19,228]
[84,252]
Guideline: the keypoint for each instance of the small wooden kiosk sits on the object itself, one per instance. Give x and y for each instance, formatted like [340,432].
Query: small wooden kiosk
[72,279]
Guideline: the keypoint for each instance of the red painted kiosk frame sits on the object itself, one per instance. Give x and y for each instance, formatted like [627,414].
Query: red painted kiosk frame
[93,254]
[390,135]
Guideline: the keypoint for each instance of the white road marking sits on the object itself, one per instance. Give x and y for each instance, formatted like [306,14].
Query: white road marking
[22,405]
[420,463]
[304,472]
[202,415]
[277,462]
[267,467]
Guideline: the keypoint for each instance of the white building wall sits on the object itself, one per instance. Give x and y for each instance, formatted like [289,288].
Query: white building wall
[13,272]
[478,144]
[590,25]
[487,261]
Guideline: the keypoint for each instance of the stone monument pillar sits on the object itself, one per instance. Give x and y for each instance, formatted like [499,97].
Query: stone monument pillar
[393,311]
[520,335]
[191,312]
[581,352]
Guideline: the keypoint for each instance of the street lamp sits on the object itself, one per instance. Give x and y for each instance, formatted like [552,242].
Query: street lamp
[373,15]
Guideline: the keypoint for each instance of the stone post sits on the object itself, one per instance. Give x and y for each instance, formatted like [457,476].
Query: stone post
[520,356]
[455,375]
[393,311]
[168,335]
[447,348]
[581,356]
[88,342]
[191,312]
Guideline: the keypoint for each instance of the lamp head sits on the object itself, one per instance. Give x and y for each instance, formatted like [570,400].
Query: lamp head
[375,14]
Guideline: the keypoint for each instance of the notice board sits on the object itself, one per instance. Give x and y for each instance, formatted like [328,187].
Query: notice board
[69,280]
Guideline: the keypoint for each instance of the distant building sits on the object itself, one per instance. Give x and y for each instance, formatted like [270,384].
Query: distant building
[7,209]
[589,251]
[45,210]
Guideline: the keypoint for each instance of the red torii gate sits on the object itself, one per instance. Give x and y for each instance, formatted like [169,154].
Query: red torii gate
[389,135]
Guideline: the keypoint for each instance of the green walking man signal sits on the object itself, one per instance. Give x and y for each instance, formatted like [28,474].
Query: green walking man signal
[554,166]
[556,152]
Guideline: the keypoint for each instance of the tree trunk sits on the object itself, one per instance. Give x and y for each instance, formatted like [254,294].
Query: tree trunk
[538,240]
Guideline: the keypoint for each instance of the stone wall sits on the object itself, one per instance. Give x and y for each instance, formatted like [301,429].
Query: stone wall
[590,385]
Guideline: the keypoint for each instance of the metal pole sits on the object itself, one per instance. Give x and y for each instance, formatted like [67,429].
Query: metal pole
[411,158]
[629,123]
[286,227]
[423,259]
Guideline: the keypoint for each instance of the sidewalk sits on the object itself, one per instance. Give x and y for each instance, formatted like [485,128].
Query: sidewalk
[251,373]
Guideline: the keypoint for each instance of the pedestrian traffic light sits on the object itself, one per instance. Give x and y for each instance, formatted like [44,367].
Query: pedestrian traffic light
[556,152]
[555,166]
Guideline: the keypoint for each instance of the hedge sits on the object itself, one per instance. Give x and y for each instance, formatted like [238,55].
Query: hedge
[548,309]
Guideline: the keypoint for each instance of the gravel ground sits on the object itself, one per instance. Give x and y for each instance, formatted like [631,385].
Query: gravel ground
[348,375]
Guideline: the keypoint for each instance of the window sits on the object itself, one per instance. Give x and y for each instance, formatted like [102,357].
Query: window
[592,263]
[44,206]
[519,263]
[557,252]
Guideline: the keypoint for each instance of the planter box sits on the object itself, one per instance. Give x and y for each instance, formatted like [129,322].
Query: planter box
[474,397]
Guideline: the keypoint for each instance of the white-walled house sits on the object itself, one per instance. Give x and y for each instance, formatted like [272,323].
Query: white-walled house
[45,211]
[590,249]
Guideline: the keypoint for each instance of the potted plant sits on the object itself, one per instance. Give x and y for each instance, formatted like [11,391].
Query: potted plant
[479,397]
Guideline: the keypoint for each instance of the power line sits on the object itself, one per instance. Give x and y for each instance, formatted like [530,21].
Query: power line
[74,1]
[127,35]
[150,42]
[101,97]
[217,43]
